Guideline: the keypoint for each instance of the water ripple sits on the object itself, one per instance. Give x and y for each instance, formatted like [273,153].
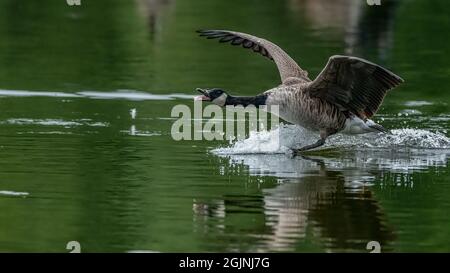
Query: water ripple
[118,94]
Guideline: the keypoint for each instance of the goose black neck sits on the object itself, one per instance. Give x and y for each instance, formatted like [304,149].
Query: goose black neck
[245,101]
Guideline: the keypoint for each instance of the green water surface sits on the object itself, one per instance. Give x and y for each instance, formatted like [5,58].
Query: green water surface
[74,164]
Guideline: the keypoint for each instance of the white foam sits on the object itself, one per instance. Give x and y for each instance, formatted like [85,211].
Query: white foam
[14,193]
[276,141]
[411,138]
[287,137]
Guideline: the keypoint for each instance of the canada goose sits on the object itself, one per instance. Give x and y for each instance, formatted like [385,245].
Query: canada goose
[342,98]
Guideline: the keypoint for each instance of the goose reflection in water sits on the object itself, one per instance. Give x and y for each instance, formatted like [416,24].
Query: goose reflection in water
[327,198]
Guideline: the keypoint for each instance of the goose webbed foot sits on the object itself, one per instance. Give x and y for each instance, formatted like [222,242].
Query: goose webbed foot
[319,143]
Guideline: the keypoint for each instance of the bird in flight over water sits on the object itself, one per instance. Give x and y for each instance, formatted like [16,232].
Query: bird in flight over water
[341,99]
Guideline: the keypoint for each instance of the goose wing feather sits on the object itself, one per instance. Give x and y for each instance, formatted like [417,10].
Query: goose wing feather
[289,70]
[353,84]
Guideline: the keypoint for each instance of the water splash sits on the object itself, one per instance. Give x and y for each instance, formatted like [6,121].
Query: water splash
[412,138]
[286,137]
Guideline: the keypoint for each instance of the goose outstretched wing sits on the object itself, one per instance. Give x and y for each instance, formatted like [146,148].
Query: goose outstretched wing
[288,68]
[354,84]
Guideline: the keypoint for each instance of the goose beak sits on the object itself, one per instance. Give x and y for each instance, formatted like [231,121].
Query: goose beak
[204,96]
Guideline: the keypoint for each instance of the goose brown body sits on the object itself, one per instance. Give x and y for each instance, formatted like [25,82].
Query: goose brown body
[312,113]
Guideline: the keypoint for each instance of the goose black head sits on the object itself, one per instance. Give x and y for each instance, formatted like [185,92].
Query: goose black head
[215,95]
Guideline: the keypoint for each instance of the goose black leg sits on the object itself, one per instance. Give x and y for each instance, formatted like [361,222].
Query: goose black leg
[319,143]
[323,136]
